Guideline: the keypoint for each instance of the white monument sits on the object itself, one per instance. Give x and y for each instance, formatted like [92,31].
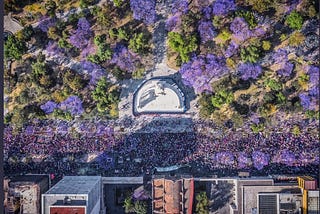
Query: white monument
[159,96]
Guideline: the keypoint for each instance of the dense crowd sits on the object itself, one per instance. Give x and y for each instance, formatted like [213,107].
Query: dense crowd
[49,145]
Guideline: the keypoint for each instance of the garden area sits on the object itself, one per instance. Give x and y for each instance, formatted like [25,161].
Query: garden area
[70,57]
[250,61]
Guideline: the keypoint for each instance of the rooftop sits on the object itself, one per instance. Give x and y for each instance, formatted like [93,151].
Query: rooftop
[74,185]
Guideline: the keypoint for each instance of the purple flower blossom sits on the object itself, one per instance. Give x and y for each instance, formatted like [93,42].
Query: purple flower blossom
[305,100]
[206,30]
[231,49]
[173,23]
[49,107]
[286,69]
[89,66]
[259,32]
[223,7]
[88,50]
[243,160]
[73,104]
[144,10]
[314,91]
[240,29]
[124,59]
[201,70]
[287,157]
[179,6]
[280,56]
[225,158]
[313,72]
[260,159]
[207,12]
[53,49]
[81,36]
[29,130]
[45,23]
[249,71]
[96,75]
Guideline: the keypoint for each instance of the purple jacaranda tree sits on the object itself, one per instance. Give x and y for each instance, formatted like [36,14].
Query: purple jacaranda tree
[207,12]
[280,56]
[260,159]
[232,49]
[29,130]
[49,107]
[173,23]
[287,157]
[53,49]
[179,6]
[243,160]
[248,71]
[223,7]
[124,59]
[286,69]
[72,104]
[240,29]
[89,66]
[81,36]
[96,75]
[90,49]
[45,23]
[206,30]
[144,10]
[225,158]
[201,70]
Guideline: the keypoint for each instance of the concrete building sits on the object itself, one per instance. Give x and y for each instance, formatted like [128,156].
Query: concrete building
[310,190]
[22,194]
[74,194]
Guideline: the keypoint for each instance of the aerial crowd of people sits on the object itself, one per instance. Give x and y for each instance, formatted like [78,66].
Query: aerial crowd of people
[142,152]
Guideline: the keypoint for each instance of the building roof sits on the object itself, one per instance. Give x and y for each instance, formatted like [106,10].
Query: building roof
[74,185]
[172,196]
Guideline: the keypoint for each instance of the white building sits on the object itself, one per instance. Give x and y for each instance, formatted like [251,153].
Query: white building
[74,194]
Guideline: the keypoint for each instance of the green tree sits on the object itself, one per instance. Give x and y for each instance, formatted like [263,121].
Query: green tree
[249,17]
[256,128]
[273,84]
[128,205]
[39,68]
[118,3]
[296,39]
[14,48]
[261,5]
[250,54]
[25,34]
[184,45]
[51,7]
[138,43]
[105,95]
[202,206]
[73,80]
[140,207]
[222,97]
[266,45]
[53,33]
[294,20]
[60,114]
[206,107]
